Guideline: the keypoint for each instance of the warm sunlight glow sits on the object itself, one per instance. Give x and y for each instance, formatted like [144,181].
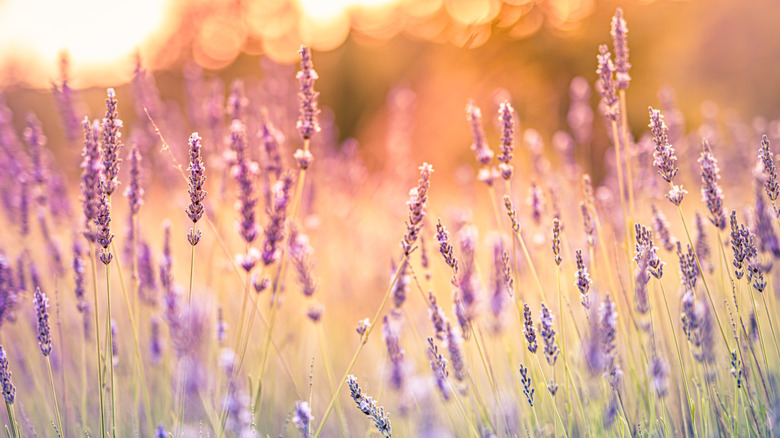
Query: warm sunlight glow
[328,10]
[94,32]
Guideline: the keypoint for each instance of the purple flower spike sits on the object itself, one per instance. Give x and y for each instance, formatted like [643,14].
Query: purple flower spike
[711,193]
[196,181]
[44,330]
[619,34]
[66,102]
[770,172]
[308,124]
[506,117]
[111,143]
[277,214]
[479,146]
[91,167]
[9,391]
[606,83]
[417,199]
[103,222]
[664,157]
[547,332]
[244,171]
[134,192]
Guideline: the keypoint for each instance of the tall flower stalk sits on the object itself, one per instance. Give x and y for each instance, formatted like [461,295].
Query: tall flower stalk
[45,344]
[416,211]
[195,210]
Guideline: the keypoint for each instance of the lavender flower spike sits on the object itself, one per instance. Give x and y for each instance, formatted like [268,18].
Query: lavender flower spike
[44,330]
[244,172]
[307,120]
[606,83]
[90,175]
[9,391]
[439,368]
[479,147]
[506,117]
[302,418]
[277,214]
[547,331]
[103,221]
[196,181]
[134,192]
[620,45]
[368,406]
[770,172]
[711,193]
[417,198]
[528,328]
[583,279]
[664,157]
[608,318]
[111,143]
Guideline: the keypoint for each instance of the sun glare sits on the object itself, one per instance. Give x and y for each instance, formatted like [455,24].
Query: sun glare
[95,33]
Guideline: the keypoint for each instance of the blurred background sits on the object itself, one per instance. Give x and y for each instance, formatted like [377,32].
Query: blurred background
[444,51]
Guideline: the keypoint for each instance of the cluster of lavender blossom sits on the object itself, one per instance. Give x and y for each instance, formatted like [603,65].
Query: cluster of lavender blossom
[568,293]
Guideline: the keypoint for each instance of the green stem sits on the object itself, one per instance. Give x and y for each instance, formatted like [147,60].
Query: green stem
[360,347]
[54,396]
[99,368]
[9,408]
[110,348]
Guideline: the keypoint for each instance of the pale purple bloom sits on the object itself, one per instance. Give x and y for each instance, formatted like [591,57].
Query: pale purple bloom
[528,329]
[664,157]
[506,118]
[417,199]
[438,318]
[91,167]
[479,146]
[606,83]
[103,222]
[620,46]
[401,286]
[556,241]
[314,312]
[739,243]
[111,143]
[302,418]
[368,406]
[528,390]
[701,245]
[439,368]
[711,193]
[547,332]
[676,194]
[771,185]
[391,334]
[134,191]
[271,157]
[9,391]
[647,251]
[308,124]
[44,330]
[608,319]
[277,214]
[583,279]
[446,249]
[155,341]
[78,277]
[197,179]
[237,102]
[455,348]
[300,257]
[661,228]
[221,327]
[536,202]
[689,270]
[587,224]
[244,171]
[147,285]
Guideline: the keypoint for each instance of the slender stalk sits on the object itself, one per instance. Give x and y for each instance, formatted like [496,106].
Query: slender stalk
[54,397]
[624,125]
[688,401]
[110,349]
[771,325]
[99,368]
[136,343]
[192,270]
[9,408]
[552,399]
[360,347]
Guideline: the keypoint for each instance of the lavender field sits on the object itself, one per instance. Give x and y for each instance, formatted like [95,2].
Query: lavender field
[232,267]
